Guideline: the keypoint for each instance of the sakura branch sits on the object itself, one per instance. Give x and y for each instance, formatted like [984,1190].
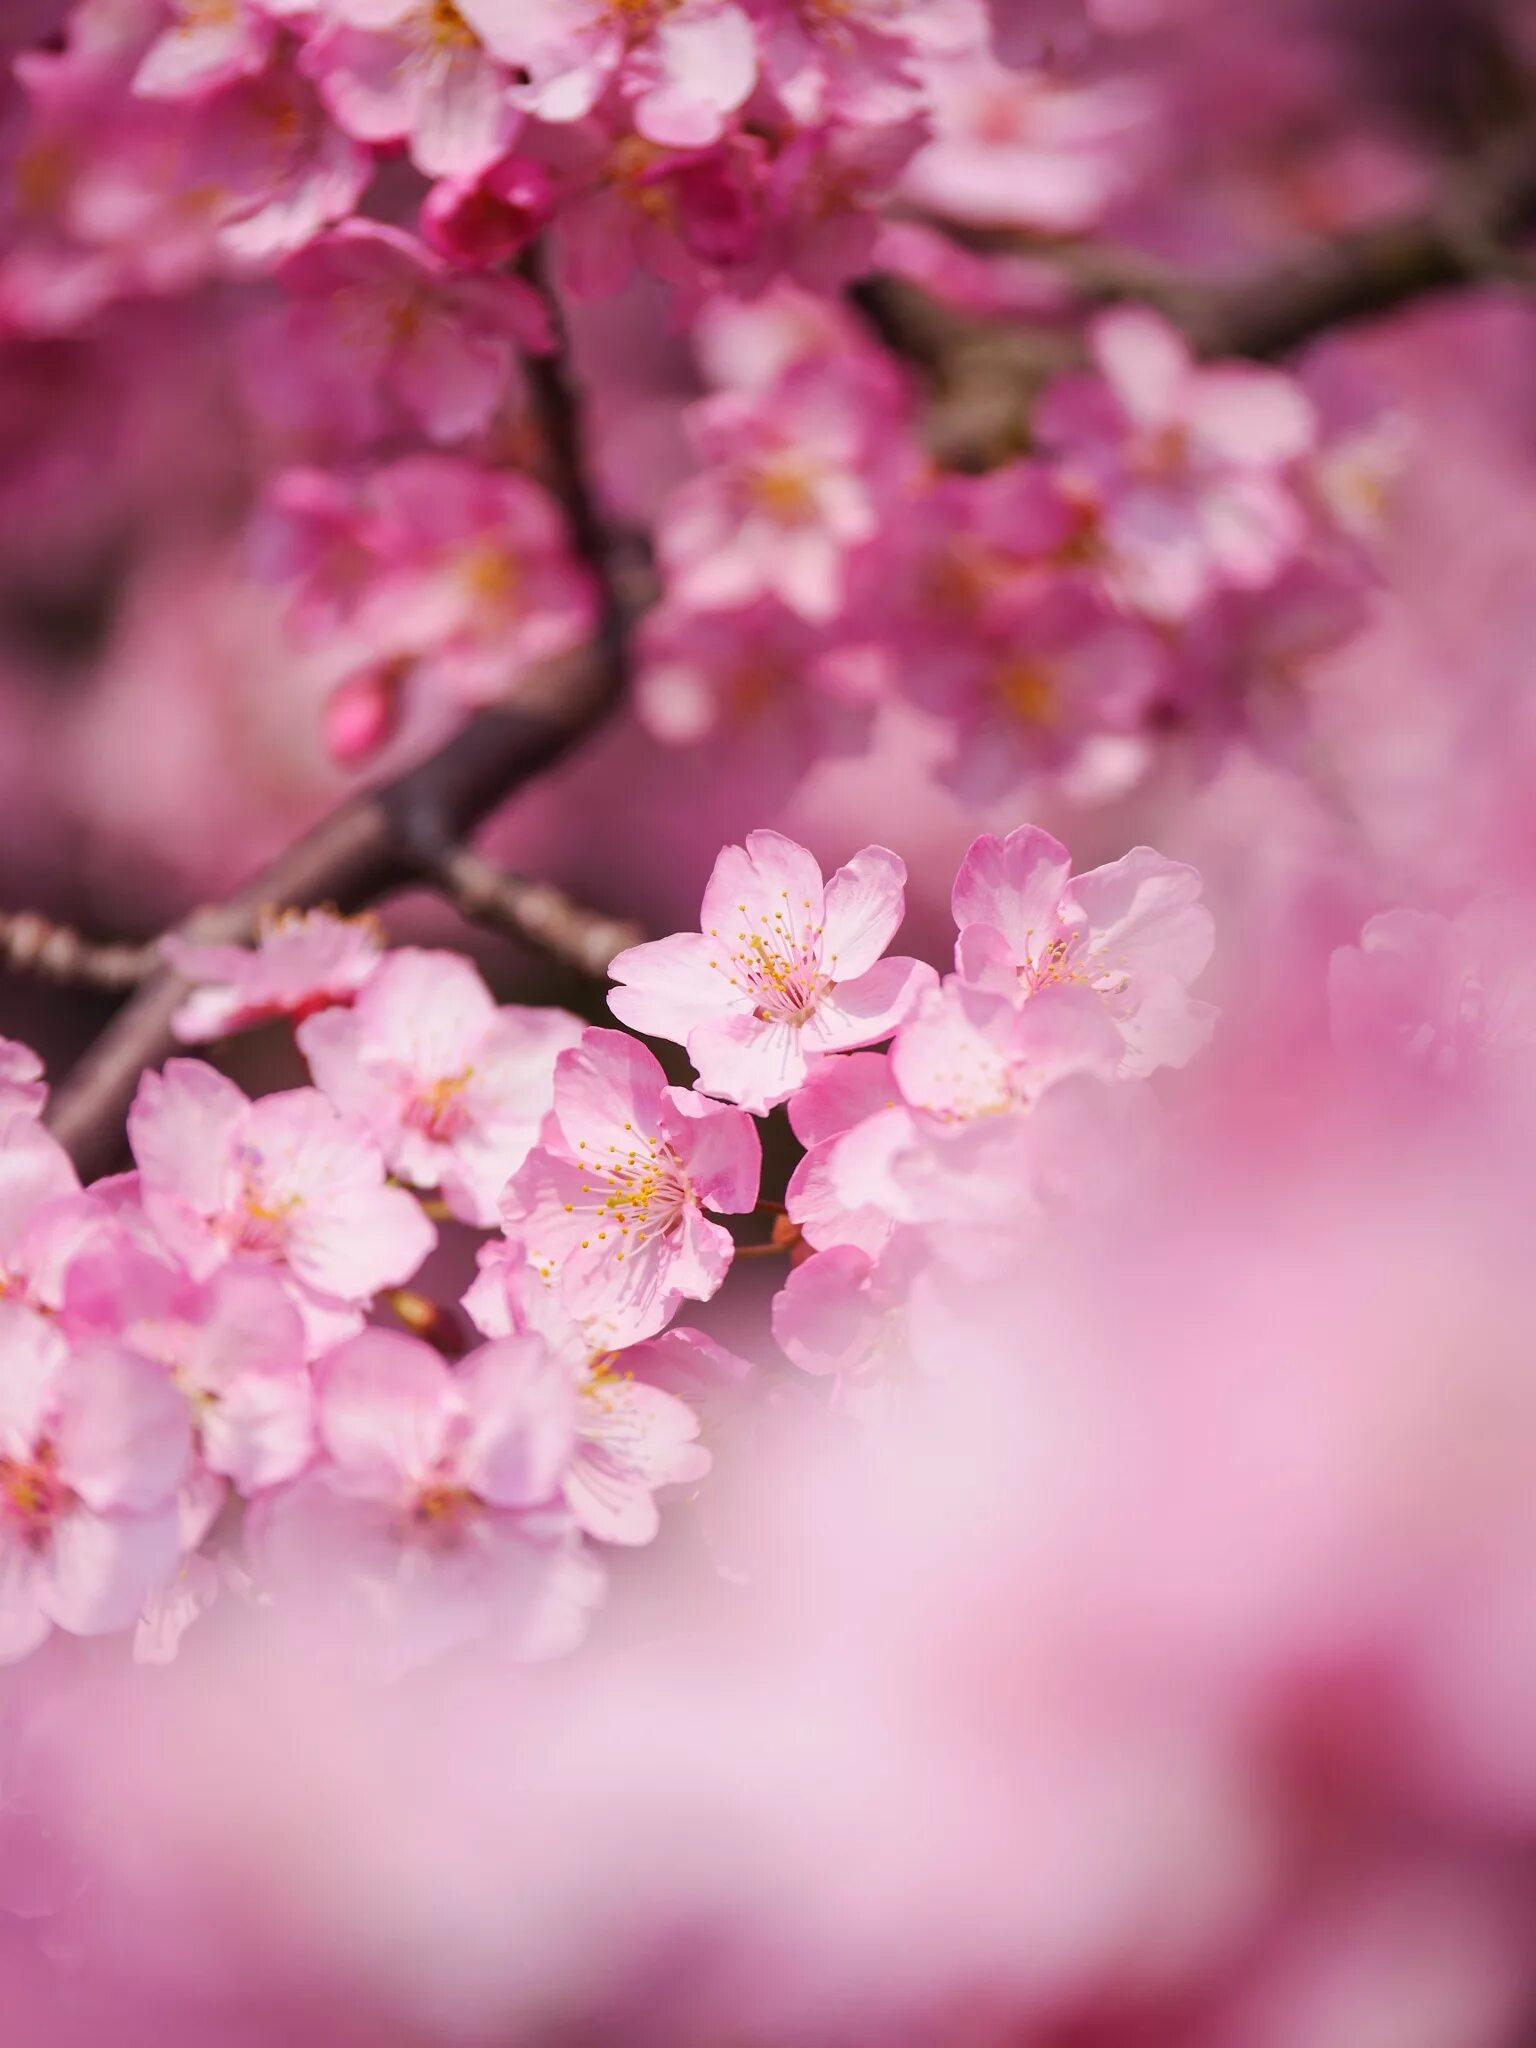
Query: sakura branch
[31,944]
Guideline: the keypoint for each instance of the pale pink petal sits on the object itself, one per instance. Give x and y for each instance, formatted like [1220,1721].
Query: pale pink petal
[839,1092]
[719,1148]
[385,1406]
[670,985]
[1146,362]
[753,1061]
[33,1356]
[1251,417]
[862,1012]
[521,1402]
[123,1436]
[102,1568]
[770,873]
[181,1127]
[1014,885]
[864,904]
[706,55]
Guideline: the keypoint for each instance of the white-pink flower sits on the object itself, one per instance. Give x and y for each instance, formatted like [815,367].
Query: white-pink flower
[285,1180]
[685,66]
[794,482]
[413,71]
[302,961]
[786,969]
[434,1518]
[453,1087]
[1189,464]
[378,333]
[94,1442]
[633,1433]
[1133,931]
[41,1206]
[611,1201]
[233,1345]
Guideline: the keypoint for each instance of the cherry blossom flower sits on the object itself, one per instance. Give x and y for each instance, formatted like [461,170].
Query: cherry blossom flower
[233,1346]
[40,1209]
[475,222]
[696,217]
[683,66]
[205,44]
[453,1088]
[611,1201]
[785,970]
[285,1180]
[1024,149]
[473,579]
[1450,1002]
[434,1518]
[857,63]
[303,961]
[1132,931]
[1189,462]
[93,1444]
[377,330]
[633,1433]
[794,481]
[413,71]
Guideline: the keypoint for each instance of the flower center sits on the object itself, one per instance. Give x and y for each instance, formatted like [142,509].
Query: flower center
[783,487]
[445,28]
[32,1495]
[438,1110]
[1027,690]
[641,1190]
[780,967]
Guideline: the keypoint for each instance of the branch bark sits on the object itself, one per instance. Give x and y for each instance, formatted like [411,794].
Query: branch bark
[404,830]
[34,945]
[534,913]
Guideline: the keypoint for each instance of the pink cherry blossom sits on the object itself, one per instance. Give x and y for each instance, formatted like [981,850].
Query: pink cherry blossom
[695,217]
[413,71]
[633,1433]
[683,66]
[843,1093]
[785,970]
[475,222]
[285,1180]
[453,1088]
[473,580]
[233,1346]
[794,481]
[434,1518]
[1448,1002]
[377,331]
[205,44]
[857,63]
[611,1201]
[1133,931]
[1025,149]
[302,961]
[1190,464]
[40,1209]
[93,1444]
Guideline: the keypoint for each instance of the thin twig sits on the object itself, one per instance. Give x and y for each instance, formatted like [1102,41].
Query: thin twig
[34,945]
[400,832]
[534,913]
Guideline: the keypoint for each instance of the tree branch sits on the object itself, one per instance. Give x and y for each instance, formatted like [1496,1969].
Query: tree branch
[34,945]
[987,373]
[403,830]
[533,913]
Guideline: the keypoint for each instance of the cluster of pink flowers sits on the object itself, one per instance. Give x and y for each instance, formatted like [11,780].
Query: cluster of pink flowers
[203,1395]
[1167,562]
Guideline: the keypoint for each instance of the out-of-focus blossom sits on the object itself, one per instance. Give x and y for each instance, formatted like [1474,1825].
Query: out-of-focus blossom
[785,970]
[22,1087]
[413,71]
[302,961]
[480,221]
[793,485]
[611,1201]
[205,44]
[683,68]
[433,1519]
[1190,465]
[453,1088]
[285,1180]
[377,332]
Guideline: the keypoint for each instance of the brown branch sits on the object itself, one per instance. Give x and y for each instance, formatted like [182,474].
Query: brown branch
[34,945]
[534,913]
[401,831]
[987,373]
